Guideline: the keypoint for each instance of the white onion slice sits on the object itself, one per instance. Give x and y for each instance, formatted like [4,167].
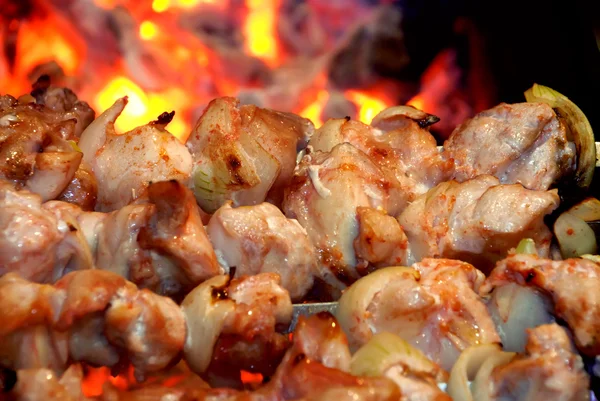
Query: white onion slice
[470,362]
[205,317]
[575,237]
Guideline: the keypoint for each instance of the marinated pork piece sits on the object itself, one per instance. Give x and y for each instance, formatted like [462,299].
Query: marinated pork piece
[37,151]
[83,188]
[36,241]
[232,325]
[324,196]
[551,370]
[477,221]
[260,239]
[91,316]
[158,243]
[434,306]
[572,285]
[126,164]
[398,144]
[523,143]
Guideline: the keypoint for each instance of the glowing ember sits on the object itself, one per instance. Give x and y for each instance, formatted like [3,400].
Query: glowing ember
[313,111]
[143,107]
[260,30]
[369,105]
[251,378]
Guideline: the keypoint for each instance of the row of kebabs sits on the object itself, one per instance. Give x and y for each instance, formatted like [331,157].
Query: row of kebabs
[449,325]
[102,238]
[344,200]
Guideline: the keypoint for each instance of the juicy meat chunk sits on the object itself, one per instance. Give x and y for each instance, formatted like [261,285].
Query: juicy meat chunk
[260,239]
[92,316]
[324,196]
[523,143]
[83,189]
[381,241]
[478,221]
[44,384]
[550,370]
[36,241]
[434,306]
[125,164]
[401,148]
[233,325]
[37,149]
[572,285]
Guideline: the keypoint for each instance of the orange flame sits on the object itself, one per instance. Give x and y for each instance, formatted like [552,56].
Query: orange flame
[369,105]
[314,110]
[260,30]
[250,378]
[143,107]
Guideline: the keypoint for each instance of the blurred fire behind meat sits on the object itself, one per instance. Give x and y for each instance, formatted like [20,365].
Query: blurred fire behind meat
[318,58]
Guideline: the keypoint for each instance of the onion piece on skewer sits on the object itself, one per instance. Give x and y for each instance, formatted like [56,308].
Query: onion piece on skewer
[573,233]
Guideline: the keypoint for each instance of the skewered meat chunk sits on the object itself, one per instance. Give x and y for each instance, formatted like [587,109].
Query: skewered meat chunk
[83,188]
[36,240]
[158,243]
[125,164]
[572,285]
[434,306]
[477,221]
[254,239]
[234,324]
[244,154]
[521,143]
[137,325]
[35,152]
[398,143]
[324,196]
[551,370]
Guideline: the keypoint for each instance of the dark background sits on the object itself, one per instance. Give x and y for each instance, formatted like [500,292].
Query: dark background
[549,42]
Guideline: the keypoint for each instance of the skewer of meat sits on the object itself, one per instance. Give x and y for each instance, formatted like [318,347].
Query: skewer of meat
[98,317]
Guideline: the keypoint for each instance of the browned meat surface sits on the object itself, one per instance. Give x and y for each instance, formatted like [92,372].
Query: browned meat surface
[83,188]
[521,143]
[255,239]
[572,285]
[37,151]
[101,317]
[550,370]
[478,220]
[324,196]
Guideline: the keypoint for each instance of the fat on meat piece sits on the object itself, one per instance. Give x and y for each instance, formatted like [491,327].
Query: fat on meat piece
[398,145]
[324,195]
[38,151]
[477,221]
[551,369]
[571,284]
[255,239]
[125,164]
[523,143]
[158,243]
